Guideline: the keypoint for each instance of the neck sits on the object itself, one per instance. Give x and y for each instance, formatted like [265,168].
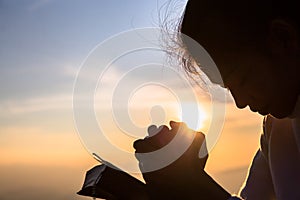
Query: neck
[296,112]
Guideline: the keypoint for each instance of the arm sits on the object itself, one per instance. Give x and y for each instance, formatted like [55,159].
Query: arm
[259,184]
[185,177]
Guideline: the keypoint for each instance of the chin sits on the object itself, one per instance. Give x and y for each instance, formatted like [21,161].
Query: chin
[280,111]
[281,114]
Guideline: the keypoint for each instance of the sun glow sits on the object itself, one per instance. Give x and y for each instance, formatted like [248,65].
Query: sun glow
[189,120]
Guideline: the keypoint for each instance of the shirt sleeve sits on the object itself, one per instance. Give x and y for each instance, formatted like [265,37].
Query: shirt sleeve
[259,185]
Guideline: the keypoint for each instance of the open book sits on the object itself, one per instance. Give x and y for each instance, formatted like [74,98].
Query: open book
[106,182]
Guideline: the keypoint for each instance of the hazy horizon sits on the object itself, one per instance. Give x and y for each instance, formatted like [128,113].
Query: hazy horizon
[43,44]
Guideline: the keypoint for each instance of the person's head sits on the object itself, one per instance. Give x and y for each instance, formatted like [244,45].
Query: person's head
[255,45]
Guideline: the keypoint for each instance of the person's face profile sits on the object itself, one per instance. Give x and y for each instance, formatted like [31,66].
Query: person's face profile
[252,76]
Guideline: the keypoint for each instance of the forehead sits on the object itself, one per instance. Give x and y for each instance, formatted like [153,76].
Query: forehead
[218,25]
[226,37]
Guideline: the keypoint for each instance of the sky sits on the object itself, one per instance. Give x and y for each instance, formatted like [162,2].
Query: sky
[42,46]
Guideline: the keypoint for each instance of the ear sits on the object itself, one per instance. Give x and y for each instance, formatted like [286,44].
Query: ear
[283,37]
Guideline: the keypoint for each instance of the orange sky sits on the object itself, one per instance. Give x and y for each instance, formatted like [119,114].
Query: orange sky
[29,151]
[42,46]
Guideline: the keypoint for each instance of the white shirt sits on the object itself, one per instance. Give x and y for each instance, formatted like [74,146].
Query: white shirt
[275,170]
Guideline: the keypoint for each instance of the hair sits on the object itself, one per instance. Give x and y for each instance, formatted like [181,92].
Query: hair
[250,17]
[172,40]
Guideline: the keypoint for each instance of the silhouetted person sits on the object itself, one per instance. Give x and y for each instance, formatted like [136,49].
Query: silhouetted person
[255,45]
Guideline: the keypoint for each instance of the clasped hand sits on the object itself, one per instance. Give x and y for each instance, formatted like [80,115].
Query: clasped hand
[185,177]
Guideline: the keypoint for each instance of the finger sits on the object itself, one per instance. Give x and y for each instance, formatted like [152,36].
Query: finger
[137,144]
[178,126]
[154,142]
[143,146]
[152,130]
[199,141]
[161,138]
[198,151]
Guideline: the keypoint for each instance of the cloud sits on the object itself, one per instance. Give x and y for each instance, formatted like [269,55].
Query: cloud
[36,104]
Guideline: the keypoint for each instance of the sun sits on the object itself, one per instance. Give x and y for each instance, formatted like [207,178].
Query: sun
[194,115]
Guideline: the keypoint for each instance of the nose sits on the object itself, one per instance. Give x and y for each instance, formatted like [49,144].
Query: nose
[240,104]
[239,90]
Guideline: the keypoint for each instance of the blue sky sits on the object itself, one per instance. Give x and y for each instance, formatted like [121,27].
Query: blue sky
[40,39]
[42,45]
[44,42]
